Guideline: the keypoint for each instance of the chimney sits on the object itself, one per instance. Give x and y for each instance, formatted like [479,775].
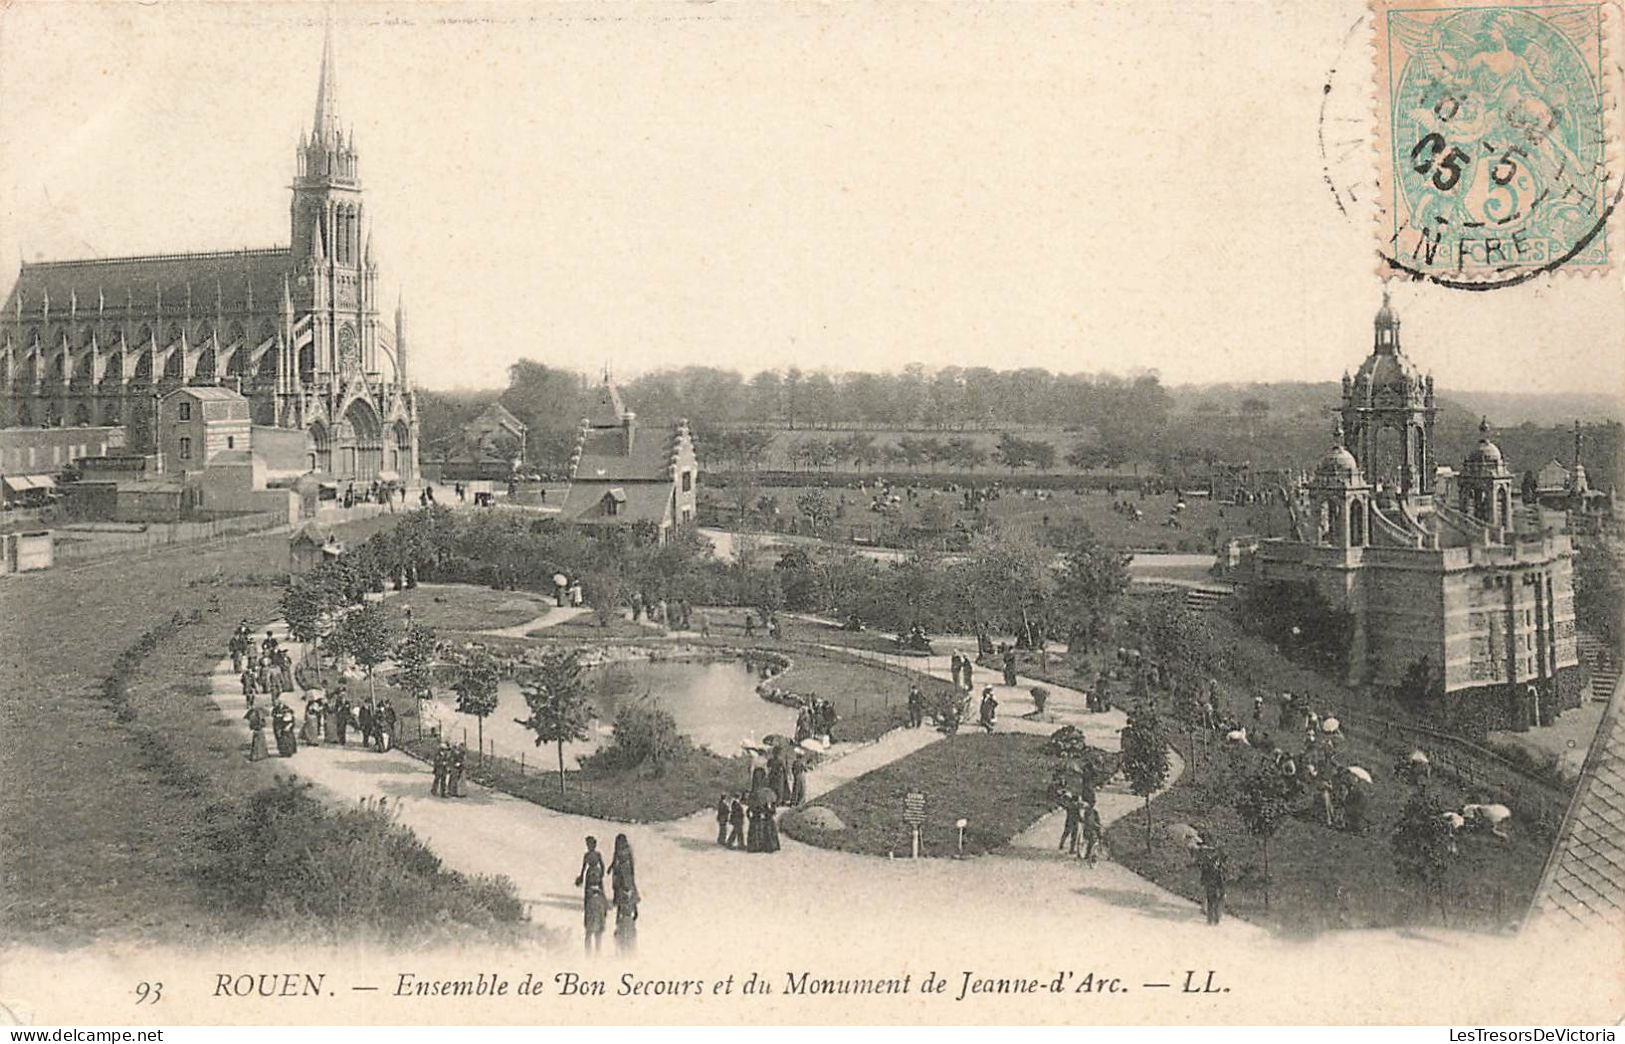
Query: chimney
[629,424]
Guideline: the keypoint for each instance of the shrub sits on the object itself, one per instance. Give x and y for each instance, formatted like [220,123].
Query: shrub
[285,855]
[645,735]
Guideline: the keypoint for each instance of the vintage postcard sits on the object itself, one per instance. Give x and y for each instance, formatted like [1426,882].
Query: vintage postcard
[805,513]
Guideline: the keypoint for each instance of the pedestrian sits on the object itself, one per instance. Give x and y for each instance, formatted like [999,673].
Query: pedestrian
[341,717]
[736,823]
[1258,708]
[1093,834]
[594,906]
[459,761]
[364,716]
[1210,864]
[1010,667]
[624,893]
[953,667]
[284,729]
[724,808]
[1074,820]
[256,739]
[778,777]
[386,735]
[916,706]
[311,730]
[441,758]
[248,687]
[989,708]
[798,781]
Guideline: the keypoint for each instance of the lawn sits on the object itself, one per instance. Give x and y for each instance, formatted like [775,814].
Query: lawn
[1320,877]
[1201,523]
[998,782]
[464,607]
[105,806]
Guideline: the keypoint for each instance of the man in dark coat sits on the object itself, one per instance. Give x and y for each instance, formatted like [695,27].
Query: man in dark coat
[736,824]
[724,809]
[1069,833]
[1210,864]
[916,704]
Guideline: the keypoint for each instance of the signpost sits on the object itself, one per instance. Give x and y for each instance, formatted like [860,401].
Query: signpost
[914,816]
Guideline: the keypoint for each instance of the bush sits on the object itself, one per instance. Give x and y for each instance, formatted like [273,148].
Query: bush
[285,855]
[645,735]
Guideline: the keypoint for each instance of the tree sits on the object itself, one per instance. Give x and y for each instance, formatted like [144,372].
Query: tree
[1145,757]
[477,677]
[309,602]
[1012,451]
[816,508]
[1262,803]
[1089,585]
[363,633]
[1530,488]
[1424,849]
[1042,454]
[415,657]
[557,698]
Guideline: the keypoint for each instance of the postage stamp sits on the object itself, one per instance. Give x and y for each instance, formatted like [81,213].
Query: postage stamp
[1498,138]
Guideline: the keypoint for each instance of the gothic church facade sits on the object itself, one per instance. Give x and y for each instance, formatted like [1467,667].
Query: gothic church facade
[297,329]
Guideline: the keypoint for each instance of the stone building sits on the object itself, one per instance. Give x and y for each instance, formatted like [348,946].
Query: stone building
[297,329]
[621,475]
[1477,596]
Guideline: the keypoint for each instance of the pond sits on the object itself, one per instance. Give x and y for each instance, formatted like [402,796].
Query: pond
[713,701]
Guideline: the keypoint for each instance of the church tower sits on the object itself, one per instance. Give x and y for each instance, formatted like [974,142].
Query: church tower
[1388,412]
[334,274]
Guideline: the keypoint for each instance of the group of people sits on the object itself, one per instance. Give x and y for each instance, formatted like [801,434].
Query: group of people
[678,615]
[749,820]
[449,763]
[1082,822]
[269,671]
[283,727]
[816,720]
[595,904]
[771,625]
[328,719]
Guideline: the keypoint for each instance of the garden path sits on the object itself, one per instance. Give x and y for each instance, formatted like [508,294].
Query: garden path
[687,880]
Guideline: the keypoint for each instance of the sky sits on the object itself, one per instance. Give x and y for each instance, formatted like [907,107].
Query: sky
[1080,187]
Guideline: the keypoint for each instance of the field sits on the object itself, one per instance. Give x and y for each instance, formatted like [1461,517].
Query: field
[998,782]
[81,859]
[849,516]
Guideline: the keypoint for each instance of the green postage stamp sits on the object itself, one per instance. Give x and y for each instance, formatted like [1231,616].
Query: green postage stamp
[1498,143]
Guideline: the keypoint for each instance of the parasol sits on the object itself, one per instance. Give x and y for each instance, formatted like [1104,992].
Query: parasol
[1329,725]
[1359,773]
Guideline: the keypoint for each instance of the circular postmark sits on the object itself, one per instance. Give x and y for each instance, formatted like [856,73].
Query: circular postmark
[1489,127]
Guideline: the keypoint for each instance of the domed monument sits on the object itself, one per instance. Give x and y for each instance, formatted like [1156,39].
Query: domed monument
[1473,601]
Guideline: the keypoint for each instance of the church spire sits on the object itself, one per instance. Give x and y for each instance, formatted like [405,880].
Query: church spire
[325,128]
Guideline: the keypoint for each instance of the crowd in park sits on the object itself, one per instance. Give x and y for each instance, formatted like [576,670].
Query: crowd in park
[328,717]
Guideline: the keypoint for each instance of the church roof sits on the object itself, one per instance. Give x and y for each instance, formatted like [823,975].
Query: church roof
[231,276]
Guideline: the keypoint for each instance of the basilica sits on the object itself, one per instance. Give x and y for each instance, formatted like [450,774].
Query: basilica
[1468,594]
[296,329]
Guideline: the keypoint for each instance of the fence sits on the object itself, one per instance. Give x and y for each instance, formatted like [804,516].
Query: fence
[90,542]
